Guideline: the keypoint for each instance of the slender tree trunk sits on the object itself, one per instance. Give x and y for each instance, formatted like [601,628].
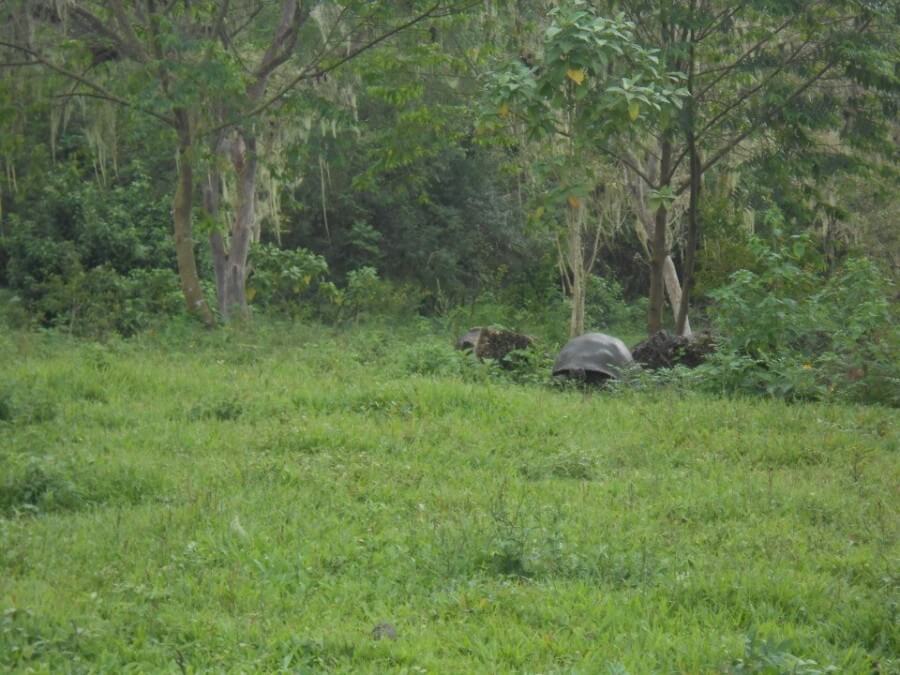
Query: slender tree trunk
[575,218]
[645,230]
[212,203]
[243,158]
[658,249]
[181,217]
[673,290]
[682,327]
[230,258]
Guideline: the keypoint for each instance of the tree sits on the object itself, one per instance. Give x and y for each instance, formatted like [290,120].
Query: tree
[209,71]
[593,85]
[752,69]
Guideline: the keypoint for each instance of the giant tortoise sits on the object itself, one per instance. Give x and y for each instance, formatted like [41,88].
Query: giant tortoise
[592,357]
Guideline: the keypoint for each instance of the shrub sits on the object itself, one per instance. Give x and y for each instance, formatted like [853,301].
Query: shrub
[368,295]
[605,305]
[101,301]
[89,259]
[74,224]
[790,333]
[289,280]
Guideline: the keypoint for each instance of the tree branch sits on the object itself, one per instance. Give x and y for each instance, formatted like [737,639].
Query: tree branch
[731,67]
[98,90]
[311,72]
[744,96]
[129,36]
[729,146]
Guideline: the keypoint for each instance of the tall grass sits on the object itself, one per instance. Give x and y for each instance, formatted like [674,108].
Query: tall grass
[260,499]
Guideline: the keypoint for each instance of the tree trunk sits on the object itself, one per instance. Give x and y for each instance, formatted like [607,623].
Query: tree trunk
[646,231]
[675,292]
[575,218]
[230,258]
[181,217]
[243,158]
[658,249]
[682,327]
[212,201]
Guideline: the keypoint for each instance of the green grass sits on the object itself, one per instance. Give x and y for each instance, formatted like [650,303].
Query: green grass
[259,501]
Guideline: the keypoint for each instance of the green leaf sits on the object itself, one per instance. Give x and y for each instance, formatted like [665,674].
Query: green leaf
[634,110]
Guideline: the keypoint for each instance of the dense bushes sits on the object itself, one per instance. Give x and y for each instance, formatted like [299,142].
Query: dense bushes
[288,281]
[295,283]
[789,331]
[90,258]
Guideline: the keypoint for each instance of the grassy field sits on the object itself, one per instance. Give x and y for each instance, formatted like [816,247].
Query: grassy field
[261,501]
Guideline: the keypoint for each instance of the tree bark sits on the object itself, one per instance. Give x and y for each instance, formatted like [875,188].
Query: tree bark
[183,231]
[682,327]
[575,218]
[243,158]
[658,249]
[646,229]
[675,292]
[230,258]
[212,202]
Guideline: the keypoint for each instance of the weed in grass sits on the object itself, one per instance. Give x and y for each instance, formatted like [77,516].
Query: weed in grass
[26,639]
[6,405]
[36,489]
[768,657]
[35,486]
[570,465]
[26,405]
[223,410]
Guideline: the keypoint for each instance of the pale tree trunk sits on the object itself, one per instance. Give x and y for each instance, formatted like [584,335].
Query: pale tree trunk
[682,326]
[212,203]
[647,231]
[578,273]
[674,291]
[230,259]
[183,230]
[659,249]
[243,158]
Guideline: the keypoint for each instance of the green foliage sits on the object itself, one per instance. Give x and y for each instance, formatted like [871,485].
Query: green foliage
[89,259]
[25,405]
[593,71]
[789,334]
[100,301]
[366,295]
[438,358]
[605,306]
[289,281]
[71,222]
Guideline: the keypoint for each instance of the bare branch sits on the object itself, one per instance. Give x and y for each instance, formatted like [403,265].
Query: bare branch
[740,100]
[724,15]
[282,43]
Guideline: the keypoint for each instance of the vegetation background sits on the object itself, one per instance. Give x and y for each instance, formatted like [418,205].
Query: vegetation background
[239,238]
